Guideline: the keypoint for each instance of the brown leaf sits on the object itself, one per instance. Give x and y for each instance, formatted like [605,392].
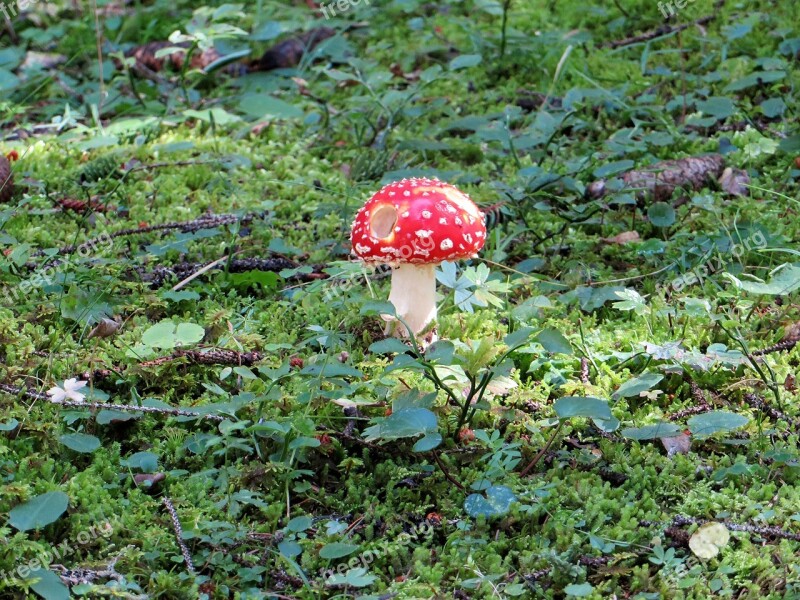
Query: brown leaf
[679,444]
[734,181]
[105,328]
[625,237]
[289,52]
[6,180]
[149,482]
[146,57]
[42,60]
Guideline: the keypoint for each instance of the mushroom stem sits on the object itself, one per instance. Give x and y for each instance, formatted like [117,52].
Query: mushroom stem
[413,295]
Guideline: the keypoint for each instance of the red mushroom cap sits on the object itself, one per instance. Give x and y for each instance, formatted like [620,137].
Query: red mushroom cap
[418,221]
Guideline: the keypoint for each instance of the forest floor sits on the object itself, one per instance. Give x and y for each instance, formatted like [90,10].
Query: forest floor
[606,413]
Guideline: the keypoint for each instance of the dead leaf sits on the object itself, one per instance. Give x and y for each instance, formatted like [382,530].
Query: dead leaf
[626,237]
[105,328]
[289,52]
[6,180]
[679,444]
[708,540]
[42,60]
[734,181]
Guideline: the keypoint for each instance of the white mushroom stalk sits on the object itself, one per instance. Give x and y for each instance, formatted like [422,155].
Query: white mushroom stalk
[414,225]
[413,295]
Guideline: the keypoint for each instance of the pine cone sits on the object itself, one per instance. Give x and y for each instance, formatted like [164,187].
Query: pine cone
[6,180]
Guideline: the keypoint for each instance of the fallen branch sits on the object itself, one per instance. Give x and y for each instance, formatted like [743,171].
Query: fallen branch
[159,275]
[213,356]
[176,526]
[663,30]
[173,412]
[790,338]
[661,179]
[203,222]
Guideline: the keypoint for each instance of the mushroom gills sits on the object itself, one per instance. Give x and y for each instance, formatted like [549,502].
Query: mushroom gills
[413,296]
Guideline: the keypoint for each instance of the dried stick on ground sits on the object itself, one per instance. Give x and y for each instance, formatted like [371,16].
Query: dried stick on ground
[176,525]
[213,356]
[790,338]
[663,30]
[159,275]
[203,222]
[173,412]
[661,179]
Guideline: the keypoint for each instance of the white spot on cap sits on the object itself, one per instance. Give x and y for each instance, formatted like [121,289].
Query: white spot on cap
[459,221]
[446,244]
[362,249]
[426,214]
[423,233]
[405,214]
[468,238]
[406,193]
[442,221]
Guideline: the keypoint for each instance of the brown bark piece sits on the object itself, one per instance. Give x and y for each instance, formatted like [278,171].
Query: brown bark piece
[6,180]
[661,179]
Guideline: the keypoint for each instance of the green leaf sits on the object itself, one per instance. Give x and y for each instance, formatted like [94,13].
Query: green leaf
[337,550]
[264,106]
[299,524]
[519,337]
[9,426]
[179,296]
[166,335]
[217,115]
[290,548]
[39,511]
[408,422]
[651,432]
[578,406]
[785,280]
[187,334]
[554,342]
[388,346]
[48,585]
[613,168]
[496,503]
[80,442]
[429,442]
[717,106]
[145,461]
[715,421]
[661,214]
[579,590]
[637,385]
[356,578]
[465,61]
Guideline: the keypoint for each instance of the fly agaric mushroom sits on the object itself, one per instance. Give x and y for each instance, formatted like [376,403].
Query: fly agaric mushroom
[413,225]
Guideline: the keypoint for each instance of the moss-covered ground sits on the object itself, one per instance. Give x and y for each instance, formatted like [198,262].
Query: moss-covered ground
[293,481]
